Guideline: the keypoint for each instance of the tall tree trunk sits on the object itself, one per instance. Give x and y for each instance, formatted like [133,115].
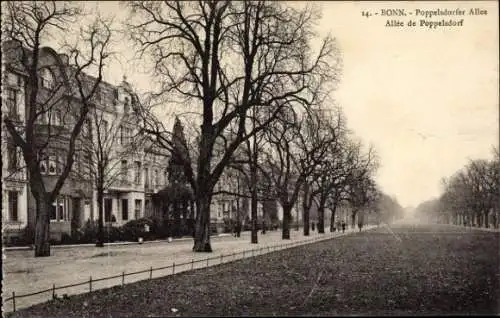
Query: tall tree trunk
[264,216]
[305,209]
[42,227]
[100,229]
[202,231]
[321,216]
[177,219]
[287,215]
[332,217]
[353,218]
[254,237]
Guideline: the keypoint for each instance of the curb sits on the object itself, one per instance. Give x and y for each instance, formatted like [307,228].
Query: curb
[21,248]
[29,248]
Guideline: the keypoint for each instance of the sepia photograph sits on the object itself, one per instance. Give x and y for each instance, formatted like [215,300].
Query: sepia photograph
[250,158]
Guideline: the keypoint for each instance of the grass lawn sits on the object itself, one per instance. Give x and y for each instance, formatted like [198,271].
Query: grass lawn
[413,271]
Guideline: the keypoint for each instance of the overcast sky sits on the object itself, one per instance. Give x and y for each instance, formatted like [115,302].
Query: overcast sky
[426,99]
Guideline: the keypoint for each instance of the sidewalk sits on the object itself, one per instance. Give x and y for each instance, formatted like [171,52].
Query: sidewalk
[25,274]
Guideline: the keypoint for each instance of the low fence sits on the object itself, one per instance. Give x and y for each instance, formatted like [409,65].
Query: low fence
[186,266]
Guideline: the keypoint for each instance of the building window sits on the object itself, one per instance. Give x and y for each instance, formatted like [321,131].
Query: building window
[138,205]
[157,177]
[59,164]
[43,166]
[86,128]
[52,165]
[108,208]
[57,210]
[122,135]
[104,129]
[123,170]
[146,177]
[13,163]
[13,206]
[128,135]
[124,209]
[47,78]
[147,208]
[53,212]
[76,164]
[126,105]
[87,164]
[12,103]
[57,117]
[60,210]
[137,176]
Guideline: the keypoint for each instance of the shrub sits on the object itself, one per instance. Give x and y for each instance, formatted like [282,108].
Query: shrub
[113,234]
[22,238]
[67,239]
[88,233]
[228,225]
[134,229]
[213,229]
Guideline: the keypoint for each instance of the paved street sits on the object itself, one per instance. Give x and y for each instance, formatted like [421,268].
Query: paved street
[25,274]
[401,270]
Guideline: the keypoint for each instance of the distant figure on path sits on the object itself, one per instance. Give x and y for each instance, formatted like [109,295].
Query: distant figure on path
[360,225]
[343,226]
[238,228]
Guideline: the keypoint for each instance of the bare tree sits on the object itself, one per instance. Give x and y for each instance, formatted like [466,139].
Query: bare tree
[471,193]
[115,148]
[360,184]
[327,173]
[387,207]
[296,144]
[26,26]
[227,58]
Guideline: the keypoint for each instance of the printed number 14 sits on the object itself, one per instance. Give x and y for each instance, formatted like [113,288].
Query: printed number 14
[366,14]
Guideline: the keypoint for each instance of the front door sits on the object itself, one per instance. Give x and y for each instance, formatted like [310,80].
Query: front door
[76,221]
[108,207]
[125,209]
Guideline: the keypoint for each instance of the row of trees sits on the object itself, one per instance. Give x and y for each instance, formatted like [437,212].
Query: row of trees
[256,87]
[257,93]
[471,196]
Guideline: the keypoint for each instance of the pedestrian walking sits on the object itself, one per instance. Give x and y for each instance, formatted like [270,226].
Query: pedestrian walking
[343,226]
[238,228]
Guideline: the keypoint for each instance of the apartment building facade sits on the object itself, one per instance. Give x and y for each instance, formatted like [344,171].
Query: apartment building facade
[133,175]
[14,178]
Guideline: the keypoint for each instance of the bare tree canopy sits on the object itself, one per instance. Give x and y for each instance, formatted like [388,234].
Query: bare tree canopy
[226,58]
[471,195]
